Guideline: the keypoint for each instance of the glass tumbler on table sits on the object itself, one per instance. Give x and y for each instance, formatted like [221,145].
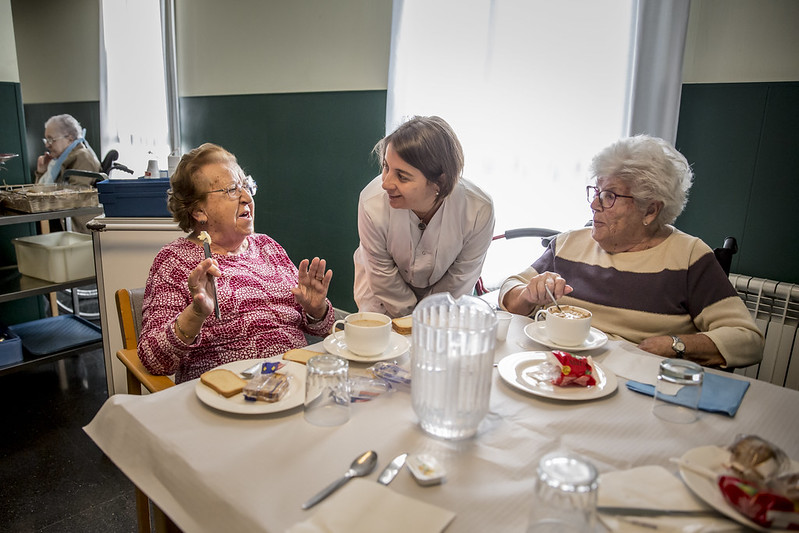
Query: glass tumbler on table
[452,364]
[566,490]
[678,390]
[327,390]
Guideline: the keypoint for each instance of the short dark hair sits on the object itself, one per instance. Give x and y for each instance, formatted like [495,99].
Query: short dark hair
[430,145]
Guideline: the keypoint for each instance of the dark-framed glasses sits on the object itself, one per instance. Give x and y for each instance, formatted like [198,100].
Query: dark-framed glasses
[235,191]
[606,198]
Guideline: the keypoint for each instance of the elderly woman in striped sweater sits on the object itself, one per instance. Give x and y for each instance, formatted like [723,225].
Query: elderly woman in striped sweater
[643,279]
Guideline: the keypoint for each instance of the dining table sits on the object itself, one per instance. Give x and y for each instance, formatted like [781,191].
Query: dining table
[213,470]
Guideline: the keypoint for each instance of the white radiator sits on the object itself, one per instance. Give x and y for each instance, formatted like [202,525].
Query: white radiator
[775,307]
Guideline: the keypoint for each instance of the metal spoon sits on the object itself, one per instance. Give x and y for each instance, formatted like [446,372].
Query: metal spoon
[361,466]
[553,297]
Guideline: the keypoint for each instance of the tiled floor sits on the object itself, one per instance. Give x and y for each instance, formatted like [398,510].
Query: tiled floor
[53,478]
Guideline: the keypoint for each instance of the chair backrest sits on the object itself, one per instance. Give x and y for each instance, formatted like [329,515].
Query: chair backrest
[546,235]
[725,253]
[129,309]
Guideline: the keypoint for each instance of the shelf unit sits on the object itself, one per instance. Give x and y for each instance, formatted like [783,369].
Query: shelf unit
[15,286]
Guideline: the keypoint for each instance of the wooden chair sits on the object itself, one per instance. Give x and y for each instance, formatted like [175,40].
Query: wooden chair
[129,310]
[129,302]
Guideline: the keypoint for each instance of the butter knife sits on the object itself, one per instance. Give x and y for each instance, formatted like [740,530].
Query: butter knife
[641,511]
[390,472]
[207,249]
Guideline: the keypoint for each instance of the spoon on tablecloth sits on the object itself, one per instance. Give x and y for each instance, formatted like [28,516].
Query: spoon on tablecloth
[361,466]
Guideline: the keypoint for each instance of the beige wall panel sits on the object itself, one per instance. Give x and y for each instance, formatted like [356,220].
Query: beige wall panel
[9,71]
[279,46]
[742,41]
[58,48]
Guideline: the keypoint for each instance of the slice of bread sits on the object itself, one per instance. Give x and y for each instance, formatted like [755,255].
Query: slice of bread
[223,381]
[299,355]
[403,325]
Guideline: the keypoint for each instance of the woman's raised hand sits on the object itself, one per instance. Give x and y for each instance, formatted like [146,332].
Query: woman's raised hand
[311,290]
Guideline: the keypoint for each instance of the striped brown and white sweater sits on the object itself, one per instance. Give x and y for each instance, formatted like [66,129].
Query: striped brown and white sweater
[674,288]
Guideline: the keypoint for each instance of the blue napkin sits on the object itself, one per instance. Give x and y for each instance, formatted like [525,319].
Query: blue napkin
[720,394]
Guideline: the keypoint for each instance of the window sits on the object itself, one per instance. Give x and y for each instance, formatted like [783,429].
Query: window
[532,88]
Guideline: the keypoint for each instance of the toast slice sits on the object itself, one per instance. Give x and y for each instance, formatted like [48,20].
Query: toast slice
[403,325]
[299,355]
[223,381]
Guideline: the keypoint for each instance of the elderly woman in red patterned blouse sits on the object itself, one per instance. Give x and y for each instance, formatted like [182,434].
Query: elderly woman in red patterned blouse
[266,303]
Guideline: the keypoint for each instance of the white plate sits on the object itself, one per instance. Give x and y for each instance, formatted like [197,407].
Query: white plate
[237,404]
[397,346]
[713,458]
[514,369]
[536,331]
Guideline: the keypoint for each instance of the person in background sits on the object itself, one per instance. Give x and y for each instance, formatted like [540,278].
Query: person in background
[65,149]
[644,280]
[423,228]
[266,303]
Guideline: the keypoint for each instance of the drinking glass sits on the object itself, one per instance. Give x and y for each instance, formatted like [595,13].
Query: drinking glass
[678,390]
[327,390]
[565,496]
[503,324]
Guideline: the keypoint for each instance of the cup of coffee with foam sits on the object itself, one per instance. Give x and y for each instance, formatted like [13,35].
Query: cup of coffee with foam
[366,334]
[568,325]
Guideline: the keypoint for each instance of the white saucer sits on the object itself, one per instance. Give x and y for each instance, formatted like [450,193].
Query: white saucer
[537,332]
[397,346]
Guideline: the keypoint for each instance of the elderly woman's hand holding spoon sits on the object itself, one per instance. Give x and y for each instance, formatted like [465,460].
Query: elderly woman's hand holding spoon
[542,289]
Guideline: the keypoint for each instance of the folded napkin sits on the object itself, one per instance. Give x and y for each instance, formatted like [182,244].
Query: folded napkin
[720,394]
[363,506]
[654,487]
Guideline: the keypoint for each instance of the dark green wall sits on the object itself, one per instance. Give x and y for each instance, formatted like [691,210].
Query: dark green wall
[743,142]
[15,171]
[310,154]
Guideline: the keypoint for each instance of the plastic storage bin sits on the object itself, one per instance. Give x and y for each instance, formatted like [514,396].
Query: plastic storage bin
[56,257]
[143,197]
[10,348]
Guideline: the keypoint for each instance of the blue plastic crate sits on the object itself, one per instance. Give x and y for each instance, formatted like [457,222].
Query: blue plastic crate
[143,197]
[10,348]
[55,334]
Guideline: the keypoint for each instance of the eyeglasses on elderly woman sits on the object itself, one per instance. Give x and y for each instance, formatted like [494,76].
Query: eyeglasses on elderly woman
[606,198]
[236,190]
[50,140]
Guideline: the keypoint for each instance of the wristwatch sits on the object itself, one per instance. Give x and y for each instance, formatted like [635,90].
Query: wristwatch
[678,346]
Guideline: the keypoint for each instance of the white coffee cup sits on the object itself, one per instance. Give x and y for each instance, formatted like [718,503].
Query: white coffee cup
[568,327]
[366,334]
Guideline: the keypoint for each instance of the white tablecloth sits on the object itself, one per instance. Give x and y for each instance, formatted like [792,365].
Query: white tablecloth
[213,471]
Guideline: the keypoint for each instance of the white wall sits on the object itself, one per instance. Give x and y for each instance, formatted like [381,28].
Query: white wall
[742,41]
[277,46]
[9,70]
[264,46]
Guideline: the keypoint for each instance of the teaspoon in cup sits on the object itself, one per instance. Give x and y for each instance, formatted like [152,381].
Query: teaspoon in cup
[361,466]
[549,292]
